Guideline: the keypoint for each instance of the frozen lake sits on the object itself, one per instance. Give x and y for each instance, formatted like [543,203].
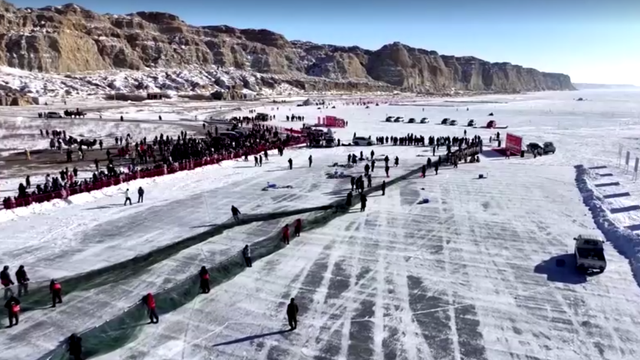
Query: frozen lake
[471,275]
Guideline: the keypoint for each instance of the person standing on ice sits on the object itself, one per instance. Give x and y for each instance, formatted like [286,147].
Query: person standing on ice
[349,201]
[363,202]
[436,166]
[386,170]
[285,234]
[150,303]
[424,170]
[366,169]
[292,314]
[373,164]
[290,164]
[140,195]
[255,161]
[246,254]
[310,160]
[368,180]
[297,228]
[23,281]
[396,162]
[13,310]
[236,213]
[56,292]
[372,154]
[204,280]
[386,160]
[353,183]
[74,344]
[126,197]
[266,155]
[384,187]
[5,280]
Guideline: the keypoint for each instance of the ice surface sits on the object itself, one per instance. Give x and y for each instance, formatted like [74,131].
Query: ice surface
[471,275]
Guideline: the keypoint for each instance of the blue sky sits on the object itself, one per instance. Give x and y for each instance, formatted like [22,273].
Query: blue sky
[594,41]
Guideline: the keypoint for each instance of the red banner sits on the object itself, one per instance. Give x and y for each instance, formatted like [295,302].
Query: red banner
[513,144]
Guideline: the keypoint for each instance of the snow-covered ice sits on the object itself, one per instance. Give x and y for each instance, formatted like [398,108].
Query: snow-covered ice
[473,274]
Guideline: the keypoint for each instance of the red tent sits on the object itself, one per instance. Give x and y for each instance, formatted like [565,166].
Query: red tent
[491,124]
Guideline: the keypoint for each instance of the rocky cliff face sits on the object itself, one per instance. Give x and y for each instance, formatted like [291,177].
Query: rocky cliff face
[71,39]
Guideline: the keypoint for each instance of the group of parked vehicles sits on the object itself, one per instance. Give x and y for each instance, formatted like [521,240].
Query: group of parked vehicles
[399,119]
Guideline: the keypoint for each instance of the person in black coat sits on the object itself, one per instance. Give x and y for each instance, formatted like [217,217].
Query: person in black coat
[290,164]
[13,310]
[292,314]
[5,280]
[140,195]
[75,347]
[204,280]
[363,202]
[236,213]
[349,202]
[384,187]
[23,281]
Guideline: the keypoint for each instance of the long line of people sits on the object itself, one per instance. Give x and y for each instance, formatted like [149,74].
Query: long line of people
[162,150]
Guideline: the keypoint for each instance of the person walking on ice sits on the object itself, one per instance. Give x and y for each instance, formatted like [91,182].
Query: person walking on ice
[5,279]
[310,160]
[246,254]
[290,164]
[150,303]
[127,198]
[292,314]
[56,292]
[236,213]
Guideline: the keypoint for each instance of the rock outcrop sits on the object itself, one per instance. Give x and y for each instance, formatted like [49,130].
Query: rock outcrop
[71,39]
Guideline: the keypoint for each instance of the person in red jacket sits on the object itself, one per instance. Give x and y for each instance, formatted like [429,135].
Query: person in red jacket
[150,303]
[285,234]
[56,292]
[297,228]
[204,280]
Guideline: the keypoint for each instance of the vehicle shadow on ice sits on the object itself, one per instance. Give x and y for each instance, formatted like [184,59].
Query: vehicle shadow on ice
[562,269]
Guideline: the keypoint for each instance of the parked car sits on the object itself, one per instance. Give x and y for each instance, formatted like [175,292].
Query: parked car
[398,119]
[535,148]
[445,121]
[362,141]
[589,252]
[389,119]
[424,120]
[453,122]
[471,123]
[411,121]
[53,115]
[548,147]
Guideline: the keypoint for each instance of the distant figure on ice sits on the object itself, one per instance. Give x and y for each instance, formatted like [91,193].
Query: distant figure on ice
[236,213]
[396,162]
[292,314]
[56,292]
[384,187]
[204,280]
[23,281]
[13,310]
[386,170]
[310,160]
[290,164]
[246,254]
[126,197]
[353,183]
[150,303]
[5,280]
[349,201]
[363,202]
[285,234]
[297,228]
[74,345]
[140,195]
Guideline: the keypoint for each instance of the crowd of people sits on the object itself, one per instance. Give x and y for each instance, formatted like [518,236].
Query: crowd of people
[162,151]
